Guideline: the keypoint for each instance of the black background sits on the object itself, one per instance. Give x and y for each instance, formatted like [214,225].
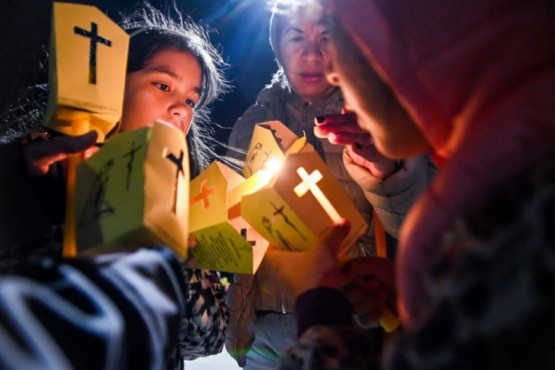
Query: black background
[239,28]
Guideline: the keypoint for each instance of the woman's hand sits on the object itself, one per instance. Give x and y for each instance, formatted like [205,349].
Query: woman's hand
[40,155]
[369,284]
[318,266]
[360,152]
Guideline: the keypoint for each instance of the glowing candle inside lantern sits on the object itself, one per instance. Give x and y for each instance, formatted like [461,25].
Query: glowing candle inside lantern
[257,181]
[310,183]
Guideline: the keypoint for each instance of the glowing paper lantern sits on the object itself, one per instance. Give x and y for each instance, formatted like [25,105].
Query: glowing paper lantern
[87,68]
[272,141]
[302,201]
[225,242]
[301,204]
[134,192]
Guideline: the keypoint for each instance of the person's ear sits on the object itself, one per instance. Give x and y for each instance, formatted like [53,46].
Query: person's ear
[331,75]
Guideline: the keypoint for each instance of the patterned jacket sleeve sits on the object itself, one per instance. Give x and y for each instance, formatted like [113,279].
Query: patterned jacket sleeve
[204,327]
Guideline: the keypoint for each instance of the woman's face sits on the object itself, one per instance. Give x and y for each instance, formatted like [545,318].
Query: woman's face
[304,56]
[377,109]
[167,88]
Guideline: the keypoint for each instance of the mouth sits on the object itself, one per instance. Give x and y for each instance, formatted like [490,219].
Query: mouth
[311,77]
[176,124]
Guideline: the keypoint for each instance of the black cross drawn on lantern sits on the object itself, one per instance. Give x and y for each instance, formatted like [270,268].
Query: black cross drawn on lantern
[178,161]
[244,235]
[95,38]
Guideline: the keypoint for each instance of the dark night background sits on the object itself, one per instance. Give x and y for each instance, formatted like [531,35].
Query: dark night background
[239,28]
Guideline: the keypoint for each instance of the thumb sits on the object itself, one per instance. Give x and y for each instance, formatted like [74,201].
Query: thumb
[40,155]
[76,144]
[299,271]
[331,242]
[327,254]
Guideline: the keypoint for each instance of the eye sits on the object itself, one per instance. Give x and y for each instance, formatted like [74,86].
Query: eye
[296,39]
[162,86]
[191,103]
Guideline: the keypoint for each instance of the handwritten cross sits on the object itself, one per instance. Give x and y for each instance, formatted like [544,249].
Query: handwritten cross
[95,39]
[178,161]
[131,155]
[244,235]
[281,212]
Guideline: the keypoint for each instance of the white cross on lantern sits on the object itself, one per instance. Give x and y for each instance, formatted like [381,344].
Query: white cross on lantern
[310,183]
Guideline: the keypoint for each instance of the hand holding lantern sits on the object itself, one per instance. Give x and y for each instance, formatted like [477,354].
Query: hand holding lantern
[86,80]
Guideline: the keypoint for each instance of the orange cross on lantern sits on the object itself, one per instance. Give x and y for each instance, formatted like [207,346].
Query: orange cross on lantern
[310,183]
[205,191]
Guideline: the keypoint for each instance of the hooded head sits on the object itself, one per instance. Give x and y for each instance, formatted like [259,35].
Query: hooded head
[476,78]
[448,62]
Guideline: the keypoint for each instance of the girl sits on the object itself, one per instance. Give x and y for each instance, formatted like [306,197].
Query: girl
[155,318]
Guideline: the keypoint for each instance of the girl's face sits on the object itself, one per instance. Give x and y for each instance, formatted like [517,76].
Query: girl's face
[304,56]
[167,88]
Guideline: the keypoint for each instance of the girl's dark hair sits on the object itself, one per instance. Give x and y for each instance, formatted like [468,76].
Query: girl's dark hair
[152,31]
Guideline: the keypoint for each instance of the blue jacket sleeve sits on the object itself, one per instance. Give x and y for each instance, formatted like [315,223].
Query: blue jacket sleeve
[119,311]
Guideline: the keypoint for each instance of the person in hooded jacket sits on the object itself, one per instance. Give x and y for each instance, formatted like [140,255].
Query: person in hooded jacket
[474,82]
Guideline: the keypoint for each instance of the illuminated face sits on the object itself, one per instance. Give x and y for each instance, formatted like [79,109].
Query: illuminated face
[304,56]
[377,109]
[167,88]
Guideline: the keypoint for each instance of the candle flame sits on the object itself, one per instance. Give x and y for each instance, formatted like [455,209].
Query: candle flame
[272,166]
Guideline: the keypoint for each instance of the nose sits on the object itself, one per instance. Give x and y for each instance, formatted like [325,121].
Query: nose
[313,49]
[180,115]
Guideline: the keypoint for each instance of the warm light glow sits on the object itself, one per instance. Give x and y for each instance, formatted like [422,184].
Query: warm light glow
[273,166]
[297,10]
[259,180]
[310,183]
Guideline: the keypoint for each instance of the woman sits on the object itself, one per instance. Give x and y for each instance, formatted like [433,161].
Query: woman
[297,95]
[157,313]
[474,83]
